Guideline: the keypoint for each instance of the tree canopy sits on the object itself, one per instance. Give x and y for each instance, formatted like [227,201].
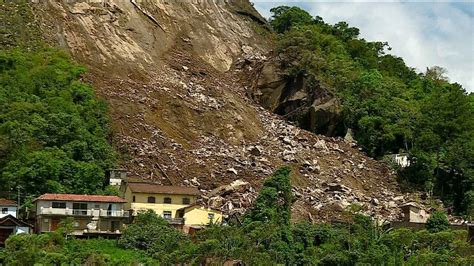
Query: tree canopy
[53,130]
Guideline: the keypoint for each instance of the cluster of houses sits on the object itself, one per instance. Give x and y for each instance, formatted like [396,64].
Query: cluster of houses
[98,215]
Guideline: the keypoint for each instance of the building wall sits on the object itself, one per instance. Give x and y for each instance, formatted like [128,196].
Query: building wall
[141,202]
[11,211]
[200,216]
[44,222]
[159,208]
[79,224]
[90,205]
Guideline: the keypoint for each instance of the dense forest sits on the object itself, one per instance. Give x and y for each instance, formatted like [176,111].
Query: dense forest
[265,237]
[389,106]
[53,129]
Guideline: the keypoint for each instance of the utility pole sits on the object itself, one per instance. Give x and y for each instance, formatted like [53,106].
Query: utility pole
[18,188]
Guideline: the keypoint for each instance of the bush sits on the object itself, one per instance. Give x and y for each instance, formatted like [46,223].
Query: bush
[151,233]
[437,222]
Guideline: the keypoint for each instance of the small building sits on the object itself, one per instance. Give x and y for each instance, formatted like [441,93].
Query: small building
[198,215]
[91,214]
[115,177]
[8,207]
[9,223]
[400,159]
[413,213]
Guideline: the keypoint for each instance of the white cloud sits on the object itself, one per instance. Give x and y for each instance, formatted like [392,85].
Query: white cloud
[424,34]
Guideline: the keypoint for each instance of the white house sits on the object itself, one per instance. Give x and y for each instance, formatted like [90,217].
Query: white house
[95,214]
[402,160]
[8,207]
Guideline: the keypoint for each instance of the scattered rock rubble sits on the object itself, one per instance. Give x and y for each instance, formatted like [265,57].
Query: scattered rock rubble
[330,174]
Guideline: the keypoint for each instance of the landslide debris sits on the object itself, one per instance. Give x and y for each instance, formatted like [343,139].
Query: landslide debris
[172,74]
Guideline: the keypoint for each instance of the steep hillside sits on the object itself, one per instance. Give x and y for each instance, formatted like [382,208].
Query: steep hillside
[171,72]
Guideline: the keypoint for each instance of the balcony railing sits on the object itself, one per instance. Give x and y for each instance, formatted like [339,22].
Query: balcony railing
[78,212]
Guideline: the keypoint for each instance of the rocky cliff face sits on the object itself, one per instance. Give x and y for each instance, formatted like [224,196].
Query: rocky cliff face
[173,73]
[307,103]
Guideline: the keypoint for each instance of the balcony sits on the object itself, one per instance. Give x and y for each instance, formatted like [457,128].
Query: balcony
[86,213]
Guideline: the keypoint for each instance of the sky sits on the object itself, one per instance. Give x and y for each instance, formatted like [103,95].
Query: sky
[423,33]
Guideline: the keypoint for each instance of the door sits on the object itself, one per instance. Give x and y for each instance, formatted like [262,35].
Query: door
[4,234]
[114,226]
[55,223]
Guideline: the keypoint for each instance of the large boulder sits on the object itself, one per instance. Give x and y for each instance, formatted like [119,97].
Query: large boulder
[307,102]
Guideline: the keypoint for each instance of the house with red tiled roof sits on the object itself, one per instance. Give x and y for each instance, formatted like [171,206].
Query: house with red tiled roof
[91,214]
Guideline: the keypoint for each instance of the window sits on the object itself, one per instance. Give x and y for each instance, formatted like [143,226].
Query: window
[210,216]
[97,206]
[186,201]
[167,214]
[4,210]
[167,200]
[151,200]
[58,205]
[133,199]
[79,208]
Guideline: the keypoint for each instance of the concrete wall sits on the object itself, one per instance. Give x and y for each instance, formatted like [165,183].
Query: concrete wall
[90,205]
[200,216]
[12,210]
[79,224]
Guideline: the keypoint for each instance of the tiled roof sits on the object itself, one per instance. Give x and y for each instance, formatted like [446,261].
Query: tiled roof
[160,189]
[74,197]
[7,202]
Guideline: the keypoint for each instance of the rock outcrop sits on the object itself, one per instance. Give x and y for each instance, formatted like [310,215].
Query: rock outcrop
[306,102]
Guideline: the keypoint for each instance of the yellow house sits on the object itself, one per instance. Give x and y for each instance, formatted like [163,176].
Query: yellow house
[174,203]
[164,200]
[196,214]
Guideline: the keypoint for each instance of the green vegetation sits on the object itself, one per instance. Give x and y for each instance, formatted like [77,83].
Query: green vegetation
[389,106]
[53,130]
[263,239]
[19,29]
[437,222]
[151,233]
[54,249]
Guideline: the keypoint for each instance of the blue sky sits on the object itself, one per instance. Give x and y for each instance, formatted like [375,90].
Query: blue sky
[424,33]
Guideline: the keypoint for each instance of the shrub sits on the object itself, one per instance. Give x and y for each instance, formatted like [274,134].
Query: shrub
[437,222]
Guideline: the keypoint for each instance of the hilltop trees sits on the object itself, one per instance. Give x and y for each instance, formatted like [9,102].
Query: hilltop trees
[53,130]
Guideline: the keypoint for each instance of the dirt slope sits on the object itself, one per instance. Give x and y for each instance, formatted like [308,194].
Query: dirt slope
[171,72]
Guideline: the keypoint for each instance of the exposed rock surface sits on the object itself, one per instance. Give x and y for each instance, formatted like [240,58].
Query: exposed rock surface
[308,103]
[181,114]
